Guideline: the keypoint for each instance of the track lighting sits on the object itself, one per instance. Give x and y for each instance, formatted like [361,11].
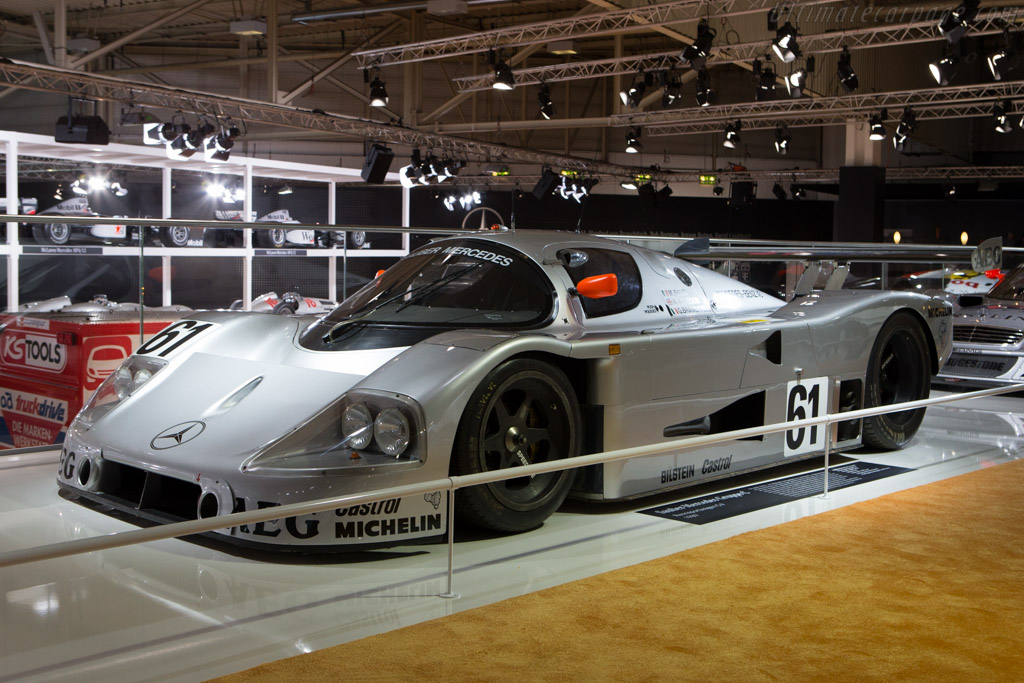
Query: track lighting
[784,43]
[218,147]
[1005,58]
[955,22]
[547,107]
[877,126]
[672,93]
[379,92]
[696,55]
[845,73]
[765,81]
[633,144]
[632,95]
[705,95]
[732,134]
[795,83]
[782,139]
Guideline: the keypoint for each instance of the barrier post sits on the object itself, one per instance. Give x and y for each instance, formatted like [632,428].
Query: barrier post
[450,594]
[831,430]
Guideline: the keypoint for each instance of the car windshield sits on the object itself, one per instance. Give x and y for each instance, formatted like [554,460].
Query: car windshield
[1011,288]
[469,283]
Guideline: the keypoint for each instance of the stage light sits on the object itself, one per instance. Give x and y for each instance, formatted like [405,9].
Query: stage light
[546,184]
[287,189]
[705,95]
[632,95]
[547,107]
[782,140]
[696,55]
[159,133]
[796,82]
[845,73]
[628,184]
[1003,60]
[1001,116]
[717,190]
[633,144]
[378,93]
[784,43]
[766,83]
[449,201]
[798,191]
[732,134]
[779,192]
[672,93]
[877,126]
[218,147]
[503,77]
[955,22]
[906,126]
[944,69]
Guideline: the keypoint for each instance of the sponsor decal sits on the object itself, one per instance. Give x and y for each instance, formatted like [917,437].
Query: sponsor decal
[33,323]
[716,465]
[471,252]
[940,311]
[177,435]
[744,293]
[34,350]
[678,474]
[173,338]
[103,360]
[654,308]
[368,521]
[32,420]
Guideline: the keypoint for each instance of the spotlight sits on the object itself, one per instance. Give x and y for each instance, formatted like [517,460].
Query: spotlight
[696,55]
[778,191]
[59,193]
[118,189]
[782,140]
[469,199]
[844,71]
[547,107]
[1001,116]
[546,184]
[409,175]
[632,95]
[766,83]
[949,189]
[705,95]
[672,93]
[944,69]
[633,144]
[213,189]
[784,43]
[159,133]
[629,184]
[954,23]
[287,189]
[795,83]
[378,93]
[732,134]
[798,191]
[449,200]
[503,78]
[906,126]
[218,147]
[717,190]
[1005,58]
[877,123]
[97,183]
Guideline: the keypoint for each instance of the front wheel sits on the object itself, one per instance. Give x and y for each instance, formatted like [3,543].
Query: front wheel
[51,233]
[898,371]
[524,412]
[269,239]
[174,236]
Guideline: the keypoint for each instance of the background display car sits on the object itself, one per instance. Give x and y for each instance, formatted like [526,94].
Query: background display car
[486,352]
[283,237]
[62,233]
[988,338]
[291,303]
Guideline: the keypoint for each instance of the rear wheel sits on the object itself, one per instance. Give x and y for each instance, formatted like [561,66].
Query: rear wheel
[898,371]
[523,413]
[174,236]
[269,239]
[51,233]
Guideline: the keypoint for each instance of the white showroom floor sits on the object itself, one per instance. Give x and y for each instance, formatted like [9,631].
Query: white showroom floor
[174,610]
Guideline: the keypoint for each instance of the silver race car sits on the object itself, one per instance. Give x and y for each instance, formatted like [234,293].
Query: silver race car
[484,352]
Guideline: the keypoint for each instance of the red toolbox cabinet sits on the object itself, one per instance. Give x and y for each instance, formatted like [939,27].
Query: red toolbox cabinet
[50,363]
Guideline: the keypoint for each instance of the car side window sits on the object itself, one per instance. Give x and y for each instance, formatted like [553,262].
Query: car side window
[600,262]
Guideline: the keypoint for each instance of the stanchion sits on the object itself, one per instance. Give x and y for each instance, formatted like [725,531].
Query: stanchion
[450,594]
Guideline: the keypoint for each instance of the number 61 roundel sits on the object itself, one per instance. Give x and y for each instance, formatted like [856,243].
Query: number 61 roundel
[173,338]
[806,399]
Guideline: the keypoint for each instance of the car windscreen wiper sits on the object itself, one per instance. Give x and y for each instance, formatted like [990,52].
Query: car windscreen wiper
[414,294]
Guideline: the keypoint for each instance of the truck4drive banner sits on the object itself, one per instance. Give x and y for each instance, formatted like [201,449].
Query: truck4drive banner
[31,419]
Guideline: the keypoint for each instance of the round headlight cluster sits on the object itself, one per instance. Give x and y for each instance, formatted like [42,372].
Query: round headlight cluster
[391,429]
[128,379]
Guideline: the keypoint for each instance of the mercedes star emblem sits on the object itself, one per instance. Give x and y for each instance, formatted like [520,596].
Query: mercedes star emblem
[177,435]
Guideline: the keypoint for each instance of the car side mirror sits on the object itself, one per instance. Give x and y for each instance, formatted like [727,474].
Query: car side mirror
[598,286]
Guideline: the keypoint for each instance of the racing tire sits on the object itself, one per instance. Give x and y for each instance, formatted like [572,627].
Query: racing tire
[356,239]
[524,410]
[51,233]
[898,371]
[236,305]
[285,308]
[174,236]
[269,239]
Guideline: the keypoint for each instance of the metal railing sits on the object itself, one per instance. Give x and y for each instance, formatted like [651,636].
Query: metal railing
[453,483]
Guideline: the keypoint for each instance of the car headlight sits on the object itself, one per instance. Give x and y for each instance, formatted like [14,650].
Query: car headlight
[131,376]
[357,425]
[391,430]
[362,429]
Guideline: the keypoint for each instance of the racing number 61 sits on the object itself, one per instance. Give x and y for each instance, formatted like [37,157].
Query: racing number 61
[172,337]
[805,400]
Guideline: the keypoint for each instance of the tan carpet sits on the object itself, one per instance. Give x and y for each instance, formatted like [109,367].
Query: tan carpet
[921,585]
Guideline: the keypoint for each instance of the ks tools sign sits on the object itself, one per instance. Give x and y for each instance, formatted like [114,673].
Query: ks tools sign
[34,350]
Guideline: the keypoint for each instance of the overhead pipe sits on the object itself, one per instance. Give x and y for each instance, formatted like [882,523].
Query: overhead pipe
[376,9]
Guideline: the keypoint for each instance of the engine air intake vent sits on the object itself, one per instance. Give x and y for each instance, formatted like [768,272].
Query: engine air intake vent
[986,334]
